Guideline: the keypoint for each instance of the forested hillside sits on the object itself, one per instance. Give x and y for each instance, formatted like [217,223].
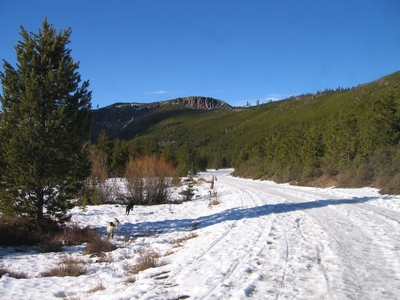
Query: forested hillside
[346,137]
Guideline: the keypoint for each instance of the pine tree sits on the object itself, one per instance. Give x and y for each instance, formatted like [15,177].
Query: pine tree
[103,151]
[119,157]
[45,121]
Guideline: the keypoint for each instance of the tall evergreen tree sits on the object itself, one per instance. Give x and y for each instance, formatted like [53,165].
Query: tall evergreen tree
[45,121]
[119,157]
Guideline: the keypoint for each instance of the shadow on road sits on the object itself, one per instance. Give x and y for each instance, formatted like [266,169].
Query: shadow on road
[234,214]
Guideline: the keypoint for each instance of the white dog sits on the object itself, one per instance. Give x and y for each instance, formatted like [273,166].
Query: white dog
[111,226]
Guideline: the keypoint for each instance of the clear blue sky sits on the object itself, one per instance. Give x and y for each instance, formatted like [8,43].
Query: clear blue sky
[236,51]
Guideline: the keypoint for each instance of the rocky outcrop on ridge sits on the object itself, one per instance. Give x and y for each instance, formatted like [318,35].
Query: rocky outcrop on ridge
[196,102]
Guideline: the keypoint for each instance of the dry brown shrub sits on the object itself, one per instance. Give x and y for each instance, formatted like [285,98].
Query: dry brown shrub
[97,245]
[15,231]
[16,275]
[130,279]
[73,235]
[148,258]
[392,187]
[215,201]
[148,179]
[99,165]
[177,242]
[168,253]
[98,287]
[149,167]
[105,259]
[67,266]
[213,198]
[50,244]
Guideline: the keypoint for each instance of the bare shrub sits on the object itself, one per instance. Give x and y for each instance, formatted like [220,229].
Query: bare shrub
[97,245]
[50,243]
[168,253]
[364,175]
[212,183]
[96,192]
[215,201]
[213,198]
[74,235]
[130,279]
[16,275]
[98,287]
[147,259]
[67,266]
[392,186]
[147,181]
[15,231]
[108,259]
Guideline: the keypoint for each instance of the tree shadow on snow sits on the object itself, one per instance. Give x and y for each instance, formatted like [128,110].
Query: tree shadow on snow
[233,214]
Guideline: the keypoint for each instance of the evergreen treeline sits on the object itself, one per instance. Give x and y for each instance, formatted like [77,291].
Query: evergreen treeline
[349,137]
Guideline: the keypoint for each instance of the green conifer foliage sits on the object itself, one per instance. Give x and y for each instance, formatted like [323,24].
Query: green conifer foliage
[45,121]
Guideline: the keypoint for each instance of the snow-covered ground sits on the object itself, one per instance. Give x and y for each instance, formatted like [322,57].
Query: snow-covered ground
[263,240]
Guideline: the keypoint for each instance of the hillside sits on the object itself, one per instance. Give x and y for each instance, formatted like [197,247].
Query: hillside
[350,135]
[125,120]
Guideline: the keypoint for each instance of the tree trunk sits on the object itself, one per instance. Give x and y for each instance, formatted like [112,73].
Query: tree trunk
[39,207]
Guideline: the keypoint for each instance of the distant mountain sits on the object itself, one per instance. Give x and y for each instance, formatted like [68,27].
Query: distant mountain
[127,119]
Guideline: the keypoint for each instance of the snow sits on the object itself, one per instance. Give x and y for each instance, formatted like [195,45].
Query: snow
[127,123]
[263,240]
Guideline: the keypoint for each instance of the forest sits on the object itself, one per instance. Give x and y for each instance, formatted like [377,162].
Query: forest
[336,137]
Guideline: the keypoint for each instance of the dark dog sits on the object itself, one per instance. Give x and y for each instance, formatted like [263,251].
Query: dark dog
[129,207]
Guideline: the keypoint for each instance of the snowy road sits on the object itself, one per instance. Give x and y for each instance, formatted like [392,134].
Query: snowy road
[287,242]
[262,241]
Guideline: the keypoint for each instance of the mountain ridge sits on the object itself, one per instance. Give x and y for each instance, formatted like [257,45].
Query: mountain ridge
[119,118]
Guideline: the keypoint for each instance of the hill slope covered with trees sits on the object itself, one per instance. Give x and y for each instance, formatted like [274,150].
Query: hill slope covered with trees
[347,137]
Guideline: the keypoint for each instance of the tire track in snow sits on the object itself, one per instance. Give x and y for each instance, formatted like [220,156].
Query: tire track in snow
[345,262]
[285,242]
[243,262]
[238,275]
[363,255]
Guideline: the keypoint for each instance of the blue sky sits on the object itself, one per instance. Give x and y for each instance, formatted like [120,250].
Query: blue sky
[236,51]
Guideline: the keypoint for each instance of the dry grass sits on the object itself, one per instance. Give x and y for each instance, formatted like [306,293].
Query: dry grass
[214,201]
[148,259]
[108,259]
[177,242]
[98,287]
[71,297]
[169,252]
[130,279]
[97,245]
[16,275]
[67,266]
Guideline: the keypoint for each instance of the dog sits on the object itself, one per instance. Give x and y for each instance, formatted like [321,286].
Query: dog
[111,226]
[129,207]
